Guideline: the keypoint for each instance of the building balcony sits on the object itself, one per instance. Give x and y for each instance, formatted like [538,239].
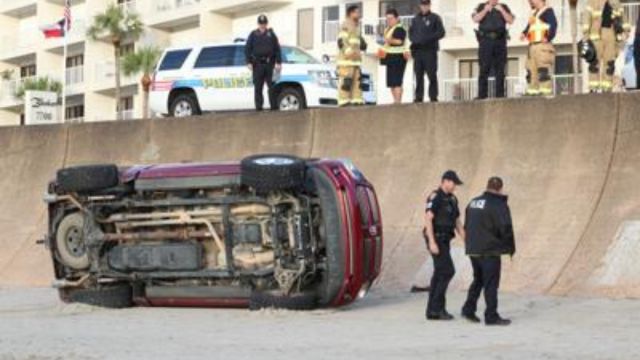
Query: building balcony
[105,79]
[170,14]
[74,80]
[233,7]
[19,8]
[8,88]
[19,44]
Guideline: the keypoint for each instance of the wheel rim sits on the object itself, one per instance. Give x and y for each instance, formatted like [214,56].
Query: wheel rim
[75,242]
[274,161]
[289,103]
[183,109]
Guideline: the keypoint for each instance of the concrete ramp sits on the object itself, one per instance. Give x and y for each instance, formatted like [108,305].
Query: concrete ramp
[570,165]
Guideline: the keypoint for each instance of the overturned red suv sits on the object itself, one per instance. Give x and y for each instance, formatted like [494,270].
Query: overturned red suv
[271,231]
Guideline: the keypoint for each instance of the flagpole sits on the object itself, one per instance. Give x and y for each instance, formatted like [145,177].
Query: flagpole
[64,72]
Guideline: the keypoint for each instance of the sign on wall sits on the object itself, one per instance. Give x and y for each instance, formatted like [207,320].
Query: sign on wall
[41,108]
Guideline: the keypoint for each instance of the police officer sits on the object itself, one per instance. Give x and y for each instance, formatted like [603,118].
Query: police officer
[489,235]
[492,18]
[441,223]
[263,54]
[425,33]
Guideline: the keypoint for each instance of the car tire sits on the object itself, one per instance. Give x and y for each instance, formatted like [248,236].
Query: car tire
[70,242]
[265,173]
[274,300]
[89,178]
[184,105]
[118,296]
[290,99]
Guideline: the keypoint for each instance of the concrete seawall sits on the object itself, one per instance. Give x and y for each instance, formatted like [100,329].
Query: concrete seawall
[570,165]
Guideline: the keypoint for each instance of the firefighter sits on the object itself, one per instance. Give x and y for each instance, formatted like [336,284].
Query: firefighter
[540,32]
[442,222]
[351,45]
[489,232]
[603,23]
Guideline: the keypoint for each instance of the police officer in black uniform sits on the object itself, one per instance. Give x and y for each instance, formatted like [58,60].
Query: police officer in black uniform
[263,55]
[441,224]
[492,35]
[489,235]
[425,34]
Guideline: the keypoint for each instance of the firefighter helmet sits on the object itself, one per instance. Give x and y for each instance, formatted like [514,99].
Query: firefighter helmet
[587,50]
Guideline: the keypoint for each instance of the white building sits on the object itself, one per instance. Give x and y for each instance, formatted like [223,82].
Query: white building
[311,24]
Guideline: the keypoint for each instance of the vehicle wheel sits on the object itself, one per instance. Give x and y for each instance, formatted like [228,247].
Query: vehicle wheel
[276,300]
[87,178]
[185,106]
[70,242]
[117,296]
[291,99]
[266,173]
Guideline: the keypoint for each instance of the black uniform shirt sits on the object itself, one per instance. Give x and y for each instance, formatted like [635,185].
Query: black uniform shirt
[398,34]
[426,31]
[493,21]
[263,47]
[445,211]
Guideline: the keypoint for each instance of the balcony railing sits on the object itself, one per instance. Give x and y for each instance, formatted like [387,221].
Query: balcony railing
[8,89]
[129,6]
[105,75]
[125,115]
[467,89]
[631,12]
[75,120]
[74,75]
[164,6]
[20,43]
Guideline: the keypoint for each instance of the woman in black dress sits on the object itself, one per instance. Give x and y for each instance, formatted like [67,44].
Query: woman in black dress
[395,54]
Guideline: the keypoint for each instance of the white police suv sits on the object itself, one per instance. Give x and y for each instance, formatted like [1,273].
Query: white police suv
[192,80]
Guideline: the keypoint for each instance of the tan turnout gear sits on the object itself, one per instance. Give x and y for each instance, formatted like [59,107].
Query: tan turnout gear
[349,61]
[603,23]
[541,57]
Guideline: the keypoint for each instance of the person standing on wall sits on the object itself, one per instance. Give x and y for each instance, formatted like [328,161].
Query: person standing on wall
[425,34]
[263,55]
[492,18]
[394,54]
[540,32]
[351,45]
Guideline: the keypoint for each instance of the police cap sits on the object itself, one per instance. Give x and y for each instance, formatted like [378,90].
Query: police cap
[451,175]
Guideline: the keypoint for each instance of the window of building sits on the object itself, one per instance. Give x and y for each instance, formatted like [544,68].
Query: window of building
[74,61]
[126,103]
[305,28]
[330,23]
[74,112]
[404,7]
[217,56]
[28,71]
[564,64]
[174,60]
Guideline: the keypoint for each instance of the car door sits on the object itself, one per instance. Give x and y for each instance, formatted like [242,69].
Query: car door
[245,80]
[222,82]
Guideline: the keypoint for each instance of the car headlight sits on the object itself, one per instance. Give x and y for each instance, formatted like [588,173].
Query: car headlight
[323,78]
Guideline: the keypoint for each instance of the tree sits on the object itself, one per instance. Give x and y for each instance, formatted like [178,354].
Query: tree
[43,83]
[143,62]
[116,25]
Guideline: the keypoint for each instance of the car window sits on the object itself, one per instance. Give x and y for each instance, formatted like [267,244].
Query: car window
[174,60]
[292,55]
[239,58]
[217,56]
[363,204]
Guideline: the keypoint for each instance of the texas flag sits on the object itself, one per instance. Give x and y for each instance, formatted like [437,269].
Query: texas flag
[56,30]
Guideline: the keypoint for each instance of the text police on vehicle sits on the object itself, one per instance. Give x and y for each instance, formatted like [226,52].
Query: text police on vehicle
[214,77]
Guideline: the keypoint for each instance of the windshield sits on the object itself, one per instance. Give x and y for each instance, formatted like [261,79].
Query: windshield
[291,55]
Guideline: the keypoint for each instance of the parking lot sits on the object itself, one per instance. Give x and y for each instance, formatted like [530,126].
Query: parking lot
[34,325]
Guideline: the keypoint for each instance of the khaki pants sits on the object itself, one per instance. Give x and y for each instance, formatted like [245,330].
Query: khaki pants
[540,63]
[349,91]
[602,71]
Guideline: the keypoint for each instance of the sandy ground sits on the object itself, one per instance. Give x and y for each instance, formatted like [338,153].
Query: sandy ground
[35,326]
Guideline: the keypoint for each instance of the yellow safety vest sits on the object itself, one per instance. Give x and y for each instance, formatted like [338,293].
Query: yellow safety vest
[394,49]
[538,29]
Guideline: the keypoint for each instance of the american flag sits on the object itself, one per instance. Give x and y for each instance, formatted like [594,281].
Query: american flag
[67,15]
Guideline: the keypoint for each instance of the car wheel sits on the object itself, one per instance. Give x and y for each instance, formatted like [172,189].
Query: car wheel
[70,242]
[116,296]
[275,300]
[291,99]
[185,106]
[88,178]
[266,173]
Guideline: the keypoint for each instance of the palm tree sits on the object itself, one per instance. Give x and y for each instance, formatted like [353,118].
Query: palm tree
[573,14]
[142,61]
[116,25]
[43,83]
